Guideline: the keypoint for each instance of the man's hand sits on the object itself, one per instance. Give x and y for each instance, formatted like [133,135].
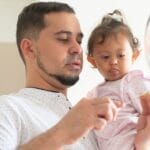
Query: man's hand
[142,139]
[88,114]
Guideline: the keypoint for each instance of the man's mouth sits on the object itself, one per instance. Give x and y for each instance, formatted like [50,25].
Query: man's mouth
[75,65]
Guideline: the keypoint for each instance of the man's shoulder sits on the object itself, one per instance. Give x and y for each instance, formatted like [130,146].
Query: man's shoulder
[9,103]
[5,99]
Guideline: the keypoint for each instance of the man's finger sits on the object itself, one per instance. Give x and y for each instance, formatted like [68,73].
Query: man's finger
[141,122]
[100,124]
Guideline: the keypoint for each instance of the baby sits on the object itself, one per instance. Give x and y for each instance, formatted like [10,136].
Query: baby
[112,49]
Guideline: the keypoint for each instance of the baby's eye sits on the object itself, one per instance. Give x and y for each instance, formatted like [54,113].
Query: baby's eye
[105,57]
[121,55]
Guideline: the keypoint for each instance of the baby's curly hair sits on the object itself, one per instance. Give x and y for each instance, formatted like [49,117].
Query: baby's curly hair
[111,24]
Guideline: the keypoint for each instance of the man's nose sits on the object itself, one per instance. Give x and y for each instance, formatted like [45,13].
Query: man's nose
[75,48]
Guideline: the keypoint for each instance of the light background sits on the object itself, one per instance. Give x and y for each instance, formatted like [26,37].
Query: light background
[89,13]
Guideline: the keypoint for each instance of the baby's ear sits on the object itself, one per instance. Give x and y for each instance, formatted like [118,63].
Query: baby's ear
[91,60]
[136,53]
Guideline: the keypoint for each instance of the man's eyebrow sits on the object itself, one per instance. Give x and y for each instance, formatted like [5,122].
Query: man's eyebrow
[80,34]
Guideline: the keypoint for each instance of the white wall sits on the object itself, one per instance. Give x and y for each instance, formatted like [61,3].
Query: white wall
[9,10]
[12,74]
[89,13]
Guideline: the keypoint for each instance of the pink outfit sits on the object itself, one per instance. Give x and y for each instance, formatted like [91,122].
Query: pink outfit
[119,134]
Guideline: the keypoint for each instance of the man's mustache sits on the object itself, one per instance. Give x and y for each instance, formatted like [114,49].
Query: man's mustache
[74,58]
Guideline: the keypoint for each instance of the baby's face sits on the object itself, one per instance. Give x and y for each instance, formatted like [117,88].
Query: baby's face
[114,57]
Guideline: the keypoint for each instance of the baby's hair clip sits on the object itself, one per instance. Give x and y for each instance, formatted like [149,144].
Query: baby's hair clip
[116,17]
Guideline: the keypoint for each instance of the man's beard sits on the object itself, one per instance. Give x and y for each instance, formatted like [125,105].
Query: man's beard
[65,80]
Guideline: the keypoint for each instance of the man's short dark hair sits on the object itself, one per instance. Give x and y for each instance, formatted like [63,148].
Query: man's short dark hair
[31,19]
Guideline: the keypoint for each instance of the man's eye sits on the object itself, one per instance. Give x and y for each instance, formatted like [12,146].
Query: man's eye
[63,40]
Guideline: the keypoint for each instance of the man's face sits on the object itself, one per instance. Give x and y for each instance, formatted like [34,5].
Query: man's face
[58,51]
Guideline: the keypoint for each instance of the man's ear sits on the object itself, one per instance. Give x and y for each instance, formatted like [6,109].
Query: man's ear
[26,46]
[135,55]
[92,61]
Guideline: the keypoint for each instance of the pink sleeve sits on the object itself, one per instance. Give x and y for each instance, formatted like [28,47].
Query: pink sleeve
[136,85]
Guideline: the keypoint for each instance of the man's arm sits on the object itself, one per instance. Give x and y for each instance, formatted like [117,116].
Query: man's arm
[52,139]
[142,139]
[88,114]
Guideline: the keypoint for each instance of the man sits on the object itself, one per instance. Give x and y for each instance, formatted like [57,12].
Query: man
[142,139]
[49,41]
